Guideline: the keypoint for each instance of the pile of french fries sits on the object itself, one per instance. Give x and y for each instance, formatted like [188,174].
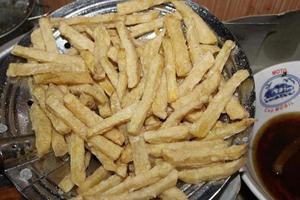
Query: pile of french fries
[148,109]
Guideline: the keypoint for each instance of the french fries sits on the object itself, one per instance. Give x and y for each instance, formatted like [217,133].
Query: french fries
[143,91]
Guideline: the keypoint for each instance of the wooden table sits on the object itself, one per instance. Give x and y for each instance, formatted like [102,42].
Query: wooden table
[223,9]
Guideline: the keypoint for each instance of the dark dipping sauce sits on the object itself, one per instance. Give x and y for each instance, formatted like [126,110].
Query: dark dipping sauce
[273,138]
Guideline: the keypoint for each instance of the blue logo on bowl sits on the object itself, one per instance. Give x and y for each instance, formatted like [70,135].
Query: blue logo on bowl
[279,89]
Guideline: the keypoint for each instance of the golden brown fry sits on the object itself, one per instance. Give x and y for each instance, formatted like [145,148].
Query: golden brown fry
[160,102]
[211,114]
[107,147]
[170,68]
[110,71]
[151,191]
[141,29]
[122,82]
[77,39]
[37,39]
[136,5]
[140,155]
[113,53]
[172,134]
[205,156]
[43,56]
[104,110]
[77,159]
[235,110]
[205,34]
[142,17]
[194,116]
[134,95]
[183,63]
[65,78]
[87,100]
[106,85]
[107,124]
[59,144]
[141,180]
[228,130]
[66,184]
[93,90]
[173,194]
[47,35]
[42,128]
[89,60]
[196,74]
[144,105]
[67,116]
[210,173]
[116,136]
[132,61]
[28,69]
[178,114]
[92,180]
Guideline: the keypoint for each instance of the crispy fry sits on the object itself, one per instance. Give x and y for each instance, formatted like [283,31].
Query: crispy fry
[196,74]
[113,53]
[92,180]
[43,56]
[173,194]
[160,103]
[37,39]
[211,114]
[59,144]
[122,82]
[151,191]
[67,116]
[170,68]
[132,62]
[144,105]
[89,60]
[116,136]
[175,118]
[228,130]
[115,103]
[172,134]
[110,71]
[107,147]
[107,124]
[194,116]
[77,39]
[140,155]
[87,100]
[104,110]
[42,129]
[66,184]
[235,110]
[183,63]
[93,90]
[143,17]
[77,159]
[28,69]
[136,5]
[141,29]
[65,78]
[106,85]
[211,172]
[205,34]
[47,35]
[134,95]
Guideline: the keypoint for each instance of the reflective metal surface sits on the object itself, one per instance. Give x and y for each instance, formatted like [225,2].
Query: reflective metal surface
[41,176]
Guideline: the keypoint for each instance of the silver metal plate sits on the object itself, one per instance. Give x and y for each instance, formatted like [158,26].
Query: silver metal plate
[47,172]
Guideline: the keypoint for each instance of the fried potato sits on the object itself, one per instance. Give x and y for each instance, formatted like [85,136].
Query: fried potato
[136,5]
[141,29]
[106,85]
[209,173]
[107,124]
[104,110]
[89,60]
[43,56]
[87,100]
[211,114]
[235,110]
[142,17]
[37,39]
[92,180]
[160,102]
[66,184]
[28,69]
[132,62]
[228,130]
[193,116]
[58,144]
[172,134]
[93,90]
[47,35]
[116,136]
[110,71]
[144,105]
[173,194]
[205,34]
[112,53]
[123,79]
[64,78]
[182,59]
[151,191]
[115,103]
[170,68]
[42,128]
[77,159]
[140,155]
[134,95]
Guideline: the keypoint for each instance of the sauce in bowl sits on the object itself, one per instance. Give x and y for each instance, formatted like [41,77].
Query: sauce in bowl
[277,156]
